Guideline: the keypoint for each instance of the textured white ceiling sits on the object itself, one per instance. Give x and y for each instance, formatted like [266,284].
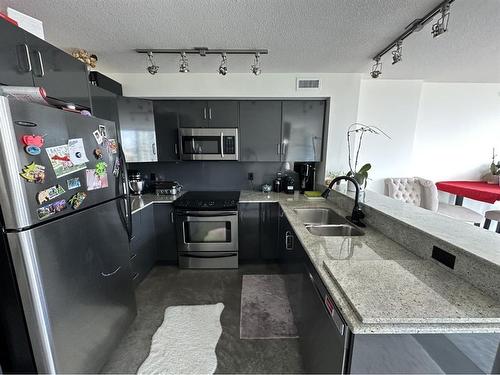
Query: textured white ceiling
[310,36]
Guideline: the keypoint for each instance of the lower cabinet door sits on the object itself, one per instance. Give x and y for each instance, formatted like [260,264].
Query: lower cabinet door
[249,231]
[165,233]
[143,245]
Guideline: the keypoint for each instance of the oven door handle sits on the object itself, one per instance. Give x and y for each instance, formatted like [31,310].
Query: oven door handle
[208,256]
[207,215]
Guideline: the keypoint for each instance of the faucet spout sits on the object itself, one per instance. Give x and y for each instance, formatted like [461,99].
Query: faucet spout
[357,213]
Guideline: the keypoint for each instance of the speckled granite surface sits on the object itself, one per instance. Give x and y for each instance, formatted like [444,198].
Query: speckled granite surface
[142,201]
[372,288]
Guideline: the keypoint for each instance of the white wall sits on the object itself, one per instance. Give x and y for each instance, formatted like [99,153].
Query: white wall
[342,89]
[392,105]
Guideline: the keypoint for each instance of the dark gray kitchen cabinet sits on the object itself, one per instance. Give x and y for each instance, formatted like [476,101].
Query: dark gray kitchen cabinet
[165,233]
[302,130]
[260,130]
[258,231]
[223,113]
[61,75]
[289,247]
[269,230]
[249,231]
[143,250]
[166,127]
[104,104]
[192,113]
[212,113]
[15,64]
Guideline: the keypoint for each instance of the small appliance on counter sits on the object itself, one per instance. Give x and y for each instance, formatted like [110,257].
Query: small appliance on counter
[278,183]
[266,188]
[307,175]
[289,184]
[135,182]
[166,187]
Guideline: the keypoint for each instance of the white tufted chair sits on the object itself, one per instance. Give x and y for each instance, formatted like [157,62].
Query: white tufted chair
[423,193]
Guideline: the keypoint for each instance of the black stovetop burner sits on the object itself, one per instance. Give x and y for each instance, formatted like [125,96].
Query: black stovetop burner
[208,200]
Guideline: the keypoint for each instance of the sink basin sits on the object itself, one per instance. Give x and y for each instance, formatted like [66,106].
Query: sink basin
[318,216]
[334,230]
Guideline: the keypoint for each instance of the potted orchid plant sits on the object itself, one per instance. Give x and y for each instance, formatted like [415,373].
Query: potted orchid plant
[358,130]
[493,177]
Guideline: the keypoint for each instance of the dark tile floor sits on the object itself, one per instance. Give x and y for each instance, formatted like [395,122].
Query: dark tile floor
[168,286]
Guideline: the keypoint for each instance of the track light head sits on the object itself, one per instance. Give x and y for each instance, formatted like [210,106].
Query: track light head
[223,65]
[184,63]
[397,54]
[441,25]
[255,68]
[376,69]
[152,68]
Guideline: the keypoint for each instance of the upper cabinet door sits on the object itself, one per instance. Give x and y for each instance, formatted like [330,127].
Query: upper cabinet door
[104,104]
[15,63]
[137,129]
[302,130]
[192,113]
[223,113]
[166,125]
[60,74]
[260,130]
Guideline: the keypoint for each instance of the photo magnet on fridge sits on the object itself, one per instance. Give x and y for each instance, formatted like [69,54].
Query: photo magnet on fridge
[49,194]
[98,137]
[33,173]
[76,200]
[102,130]
[61,161]
[73,183]
[51,209]
[95,181]
[76,151]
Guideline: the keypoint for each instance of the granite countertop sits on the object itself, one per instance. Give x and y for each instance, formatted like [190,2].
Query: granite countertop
[379,286]
[142,201]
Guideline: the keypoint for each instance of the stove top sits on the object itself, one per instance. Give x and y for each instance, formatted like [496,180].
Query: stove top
[208,200]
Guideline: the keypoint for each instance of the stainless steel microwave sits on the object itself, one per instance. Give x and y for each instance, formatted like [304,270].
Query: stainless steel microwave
[208,143]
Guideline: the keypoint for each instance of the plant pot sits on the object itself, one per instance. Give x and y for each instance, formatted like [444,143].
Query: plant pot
[493,180]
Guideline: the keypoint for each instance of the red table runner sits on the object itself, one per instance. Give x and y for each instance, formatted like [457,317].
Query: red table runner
[477,190]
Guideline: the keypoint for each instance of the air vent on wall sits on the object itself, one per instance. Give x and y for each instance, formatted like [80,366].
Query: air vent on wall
[308,83]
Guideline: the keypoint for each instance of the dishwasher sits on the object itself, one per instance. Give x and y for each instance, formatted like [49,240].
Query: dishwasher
[324,335]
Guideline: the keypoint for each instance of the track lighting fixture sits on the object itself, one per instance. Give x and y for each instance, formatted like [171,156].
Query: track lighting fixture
[152,68]
[439,28]
[255,68]
[397,54]
[441,24]
[184,63]
[376,69]
[223,64]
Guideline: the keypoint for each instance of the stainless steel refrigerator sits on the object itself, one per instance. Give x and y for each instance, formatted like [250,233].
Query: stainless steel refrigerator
[67,292]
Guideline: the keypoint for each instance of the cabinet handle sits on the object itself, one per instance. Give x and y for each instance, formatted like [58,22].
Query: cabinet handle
[111,273]
[28,58]
[153,147]
[222,144]
[40,61]
[209,113]
[172,217]
[176,150]
[278,148]
[283,149]
[289,240]
[205,113]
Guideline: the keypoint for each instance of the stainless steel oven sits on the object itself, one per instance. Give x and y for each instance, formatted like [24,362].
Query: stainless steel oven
[207,239]
[208,143]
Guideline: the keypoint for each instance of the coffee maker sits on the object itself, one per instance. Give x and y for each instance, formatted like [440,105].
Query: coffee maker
[307,175]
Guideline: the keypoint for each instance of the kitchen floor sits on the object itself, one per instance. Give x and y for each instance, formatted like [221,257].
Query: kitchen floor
[169,286]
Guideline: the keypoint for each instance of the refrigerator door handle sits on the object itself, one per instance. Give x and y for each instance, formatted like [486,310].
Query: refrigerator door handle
[126,189]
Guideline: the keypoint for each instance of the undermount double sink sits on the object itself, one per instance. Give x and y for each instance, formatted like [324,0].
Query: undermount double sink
[326,222]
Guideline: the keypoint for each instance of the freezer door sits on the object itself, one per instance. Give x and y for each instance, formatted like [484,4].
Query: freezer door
[18,197]
[76,288]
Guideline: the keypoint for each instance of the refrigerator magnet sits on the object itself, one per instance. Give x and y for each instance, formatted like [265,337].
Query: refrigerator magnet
[49,194]
[98,153]
[98,137]
[94,181]
[100,168]
[102,130]
[33,150]
[73,183]
[33,140]
[112,146]
[51,209]
[116,167]
[76,200]
[33,173]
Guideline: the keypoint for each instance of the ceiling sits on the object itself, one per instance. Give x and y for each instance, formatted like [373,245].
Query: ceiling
[303,36]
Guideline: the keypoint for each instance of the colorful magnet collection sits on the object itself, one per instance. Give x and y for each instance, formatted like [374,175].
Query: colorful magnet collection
[67,159]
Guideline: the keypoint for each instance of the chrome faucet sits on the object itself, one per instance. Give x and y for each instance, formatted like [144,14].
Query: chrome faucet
[357,214]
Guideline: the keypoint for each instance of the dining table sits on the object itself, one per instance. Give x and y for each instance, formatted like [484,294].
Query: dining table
[476,190]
